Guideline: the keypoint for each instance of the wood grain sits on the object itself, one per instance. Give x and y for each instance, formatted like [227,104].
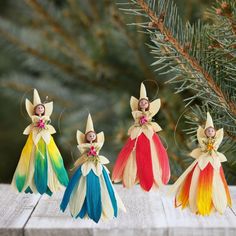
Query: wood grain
[15,210]
[147,214]
[183,222]
[142,218]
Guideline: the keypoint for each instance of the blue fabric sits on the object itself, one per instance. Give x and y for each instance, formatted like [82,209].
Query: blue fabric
[110,191]
[93,197]
[72,183]
[49,192]
[28,190]
[82,211]
[41,168]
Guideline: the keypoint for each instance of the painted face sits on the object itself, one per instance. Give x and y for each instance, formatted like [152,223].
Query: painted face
[143,103]
[91,136]
[210,132]
[39,110]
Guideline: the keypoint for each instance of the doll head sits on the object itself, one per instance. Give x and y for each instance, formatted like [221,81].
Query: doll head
[143,104]
[39,110]
[91,136]
[210,132]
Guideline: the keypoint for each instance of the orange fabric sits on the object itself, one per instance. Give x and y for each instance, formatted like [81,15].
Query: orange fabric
[204,191]
[226,186]
[183,196]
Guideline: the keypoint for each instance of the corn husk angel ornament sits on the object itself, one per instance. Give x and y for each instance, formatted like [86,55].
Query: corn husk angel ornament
[143,159]
[202,187]
[90,193]
[40,168]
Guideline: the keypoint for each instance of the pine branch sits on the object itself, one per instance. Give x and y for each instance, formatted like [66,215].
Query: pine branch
[133,44]
[199,58]
[157,22]
[75,10]
[226,10]
[67,69]
[24,47]
[60,30]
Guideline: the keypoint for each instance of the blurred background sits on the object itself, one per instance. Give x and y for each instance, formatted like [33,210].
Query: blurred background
[84,57]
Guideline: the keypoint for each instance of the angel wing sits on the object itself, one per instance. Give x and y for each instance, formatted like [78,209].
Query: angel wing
[29,107]
[80,137]
[200,136]
[48,108]
[155,106]
[134,103]
[196,153]
[218,138]
[100,138]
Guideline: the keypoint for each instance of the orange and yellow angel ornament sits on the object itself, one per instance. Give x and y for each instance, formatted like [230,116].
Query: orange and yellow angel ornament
[202,187]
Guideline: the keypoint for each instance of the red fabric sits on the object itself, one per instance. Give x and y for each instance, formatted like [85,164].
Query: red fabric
[122,160]
[163,159]
[144,162]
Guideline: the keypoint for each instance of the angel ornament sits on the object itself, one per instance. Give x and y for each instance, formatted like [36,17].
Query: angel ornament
[143,158]
[90,193]
[203,187]
[40,168]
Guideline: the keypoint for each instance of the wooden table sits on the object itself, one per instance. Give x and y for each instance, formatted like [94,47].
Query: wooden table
[147,214]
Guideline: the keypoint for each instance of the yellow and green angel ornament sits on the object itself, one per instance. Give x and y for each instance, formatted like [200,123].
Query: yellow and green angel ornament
[40,168]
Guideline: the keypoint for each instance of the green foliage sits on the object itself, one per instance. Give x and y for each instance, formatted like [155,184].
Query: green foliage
[198,57]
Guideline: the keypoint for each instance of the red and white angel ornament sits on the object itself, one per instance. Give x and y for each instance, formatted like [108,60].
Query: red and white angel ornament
[143,159]
[202,187]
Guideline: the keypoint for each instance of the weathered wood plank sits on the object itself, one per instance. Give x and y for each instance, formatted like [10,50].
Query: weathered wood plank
[15,210]
[183,222]
[145,216]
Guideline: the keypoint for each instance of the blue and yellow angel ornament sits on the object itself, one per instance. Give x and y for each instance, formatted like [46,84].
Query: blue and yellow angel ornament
[90,193]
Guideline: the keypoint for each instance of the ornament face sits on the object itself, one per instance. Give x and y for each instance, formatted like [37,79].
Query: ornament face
[91,136]
[143,104]
[210,132]
[39,110]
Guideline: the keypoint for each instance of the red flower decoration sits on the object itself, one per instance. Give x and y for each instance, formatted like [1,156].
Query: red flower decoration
[41,124]
[143,120]
[92,151]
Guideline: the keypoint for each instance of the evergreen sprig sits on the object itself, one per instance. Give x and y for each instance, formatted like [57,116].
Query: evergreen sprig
[198,57]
